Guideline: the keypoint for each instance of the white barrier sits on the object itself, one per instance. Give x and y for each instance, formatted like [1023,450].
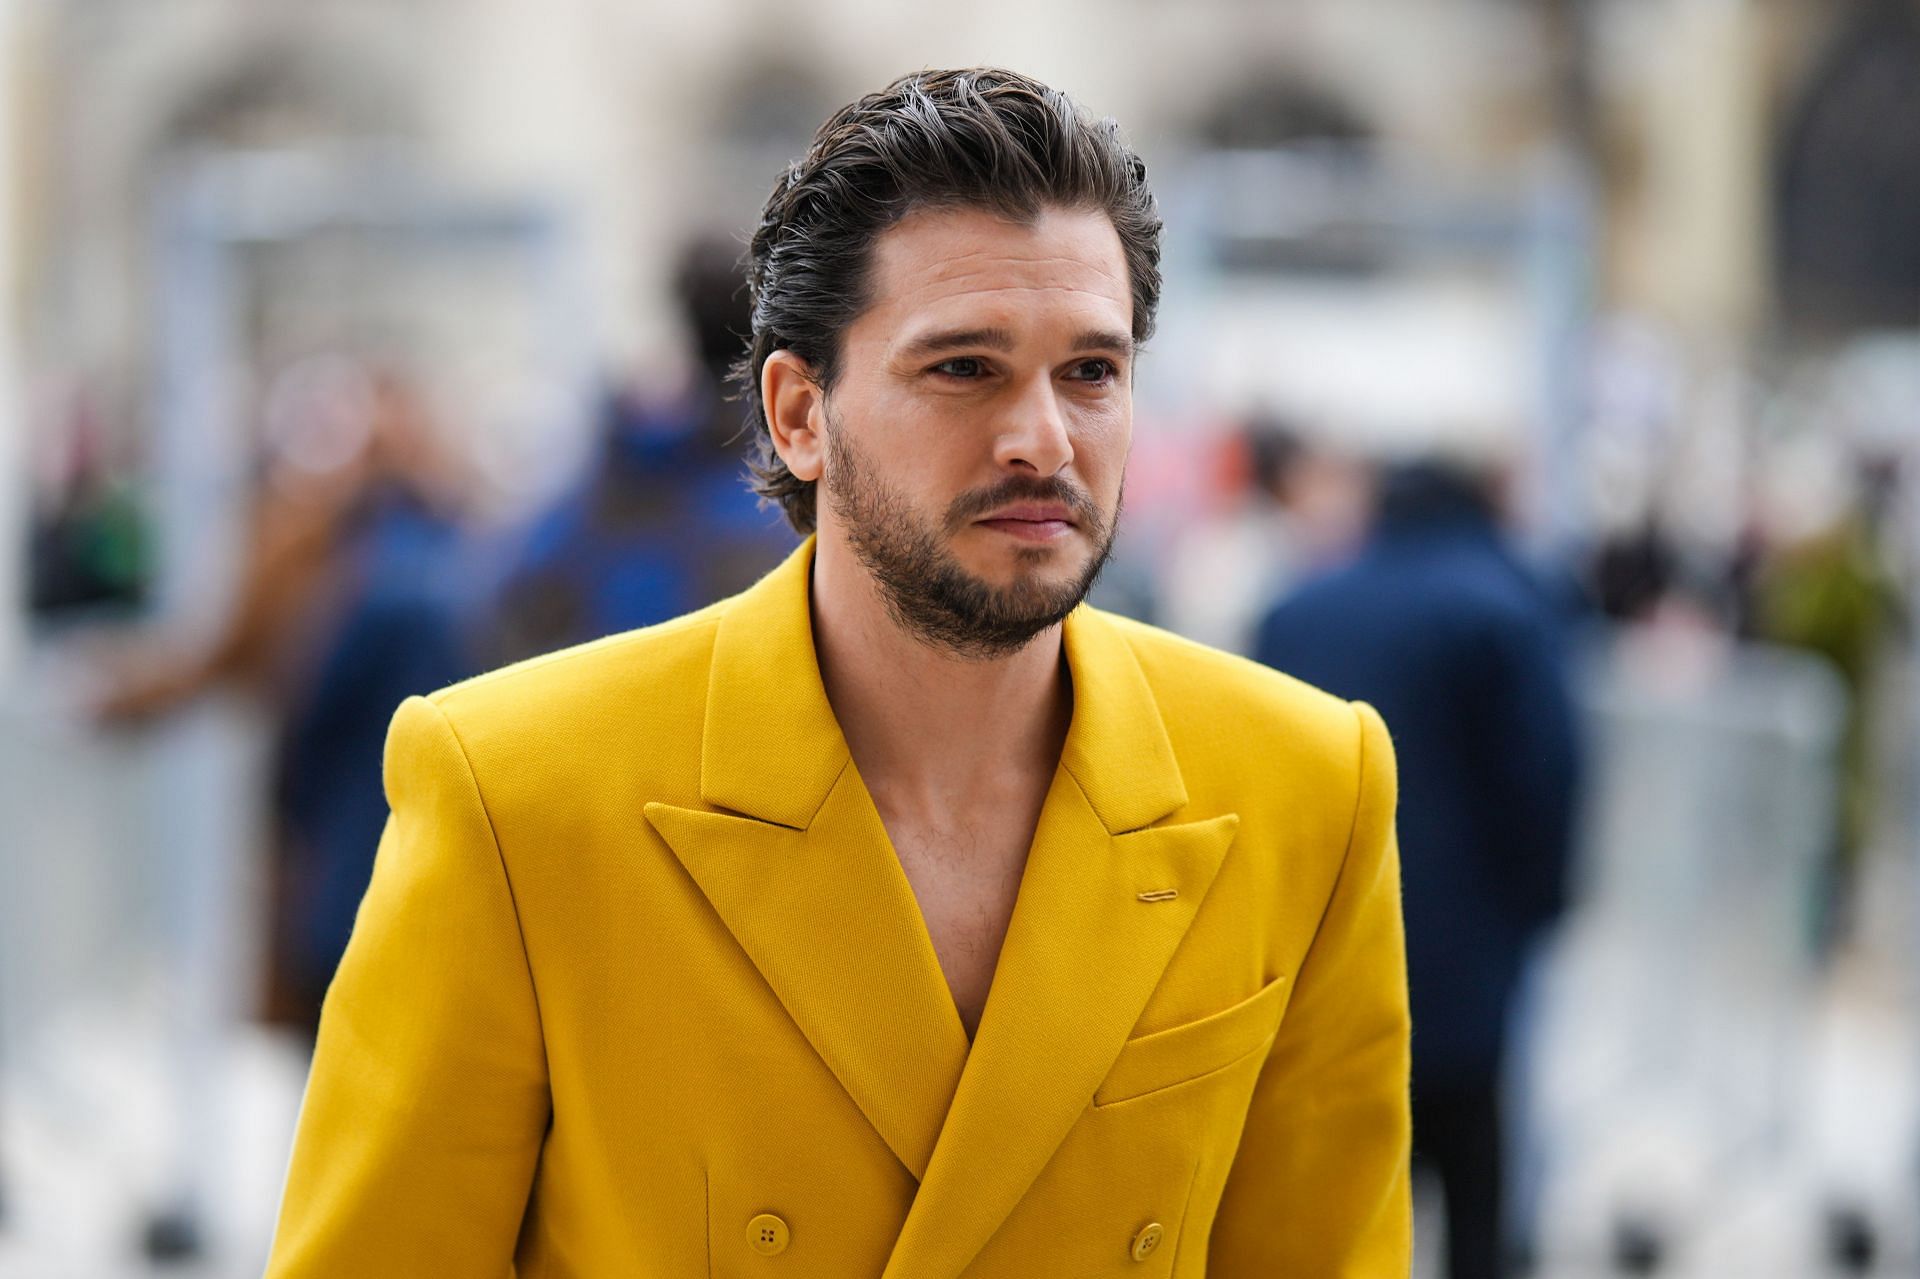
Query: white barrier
[1665,1061]
[131,913]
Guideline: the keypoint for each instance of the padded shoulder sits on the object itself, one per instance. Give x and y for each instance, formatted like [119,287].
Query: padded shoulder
[629,705]
[1246,735]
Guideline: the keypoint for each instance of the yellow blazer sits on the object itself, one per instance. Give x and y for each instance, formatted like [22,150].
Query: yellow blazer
[639,988]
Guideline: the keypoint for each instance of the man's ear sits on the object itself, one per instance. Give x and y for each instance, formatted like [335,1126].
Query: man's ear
[796,412]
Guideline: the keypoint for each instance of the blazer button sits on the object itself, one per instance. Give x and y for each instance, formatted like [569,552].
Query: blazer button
[768,1234]
[1147,1240]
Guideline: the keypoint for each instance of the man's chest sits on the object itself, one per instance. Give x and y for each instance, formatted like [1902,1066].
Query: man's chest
[966,879]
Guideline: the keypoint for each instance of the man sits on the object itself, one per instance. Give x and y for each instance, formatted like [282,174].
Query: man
[897,916]
[1445,629]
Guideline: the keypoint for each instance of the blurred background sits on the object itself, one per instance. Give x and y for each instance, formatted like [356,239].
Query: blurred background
[1545,371]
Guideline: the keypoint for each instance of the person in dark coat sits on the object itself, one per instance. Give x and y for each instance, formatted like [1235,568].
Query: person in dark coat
[1440,626]
[397,629]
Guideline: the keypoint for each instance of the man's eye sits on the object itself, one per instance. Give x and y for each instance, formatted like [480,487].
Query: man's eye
[964,366]
[1094,370]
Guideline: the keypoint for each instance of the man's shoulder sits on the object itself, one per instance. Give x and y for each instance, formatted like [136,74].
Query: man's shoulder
[1288,758]
[636,677]
[1205,692]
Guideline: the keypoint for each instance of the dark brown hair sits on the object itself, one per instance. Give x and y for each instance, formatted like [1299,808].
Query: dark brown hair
[981,138]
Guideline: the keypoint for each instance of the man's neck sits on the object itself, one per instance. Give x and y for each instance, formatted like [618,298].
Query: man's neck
[930,726]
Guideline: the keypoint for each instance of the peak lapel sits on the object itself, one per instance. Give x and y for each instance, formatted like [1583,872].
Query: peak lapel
[827,916]
[771,747]
[802,873]
[1082,956]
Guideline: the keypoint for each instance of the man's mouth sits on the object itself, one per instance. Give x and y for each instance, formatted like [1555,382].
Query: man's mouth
[1032,521]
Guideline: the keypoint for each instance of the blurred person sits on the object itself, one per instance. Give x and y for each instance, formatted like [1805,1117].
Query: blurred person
[349,601]
[86,539]
[1289,508]
[1828,591]
[900,914]
[345,605]
[1633,570]
[1439,624]
[661,522]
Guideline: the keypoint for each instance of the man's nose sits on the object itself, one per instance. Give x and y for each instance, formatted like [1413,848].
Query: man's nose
[1033,434]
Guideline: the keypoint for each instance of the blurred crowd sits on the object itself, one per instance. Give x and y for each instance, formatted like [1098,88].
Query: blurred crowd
[368,576]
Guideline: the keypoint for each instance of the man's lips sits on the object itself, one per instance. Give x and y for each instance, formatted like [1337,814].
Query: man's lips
[1034,522]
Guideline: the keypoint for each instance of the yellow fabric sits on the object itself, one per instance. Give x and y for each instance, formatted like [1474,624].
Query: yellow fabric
[638,966]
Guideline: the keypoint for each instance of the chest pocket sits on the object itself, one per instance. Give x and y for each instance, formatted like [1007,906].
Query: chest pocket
[1182,1054]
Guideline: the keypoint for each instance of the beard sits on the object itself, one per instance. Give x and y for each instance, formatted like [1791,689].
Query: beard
[924,588]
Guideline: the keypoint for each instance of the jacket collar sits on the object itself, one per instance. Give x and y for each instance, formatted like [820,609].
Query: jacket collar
[772,749]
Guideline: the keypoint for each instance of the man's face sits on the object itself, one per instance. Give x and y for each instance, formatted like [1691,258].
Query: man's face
[978,433]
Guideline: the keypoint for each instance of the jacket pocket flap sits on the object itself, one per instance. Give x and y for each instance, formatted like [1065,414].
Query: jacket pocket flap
[1186,1052]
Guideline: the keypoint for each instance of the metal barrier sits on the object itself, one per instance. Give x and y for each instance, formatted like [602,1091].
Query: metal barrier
[130,918]
[1665,1055]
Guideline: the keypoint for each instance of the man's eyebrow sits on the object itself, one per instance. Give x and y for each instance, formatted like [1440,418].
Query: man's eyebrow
[993,339]
[998,339]
[1104,340]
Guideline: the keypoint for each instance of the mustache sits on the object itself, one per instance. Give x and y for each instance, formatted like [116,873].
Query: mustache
[1025,488]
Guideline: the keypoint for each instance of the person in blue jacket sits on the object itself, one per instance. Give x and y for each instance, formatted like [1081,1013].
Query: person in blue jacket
[398,628]
[660,522]
[1441,627]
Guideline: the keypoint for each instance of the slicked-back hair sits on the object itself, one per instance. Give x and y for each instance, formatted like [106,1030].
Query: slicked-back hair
[977,138]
